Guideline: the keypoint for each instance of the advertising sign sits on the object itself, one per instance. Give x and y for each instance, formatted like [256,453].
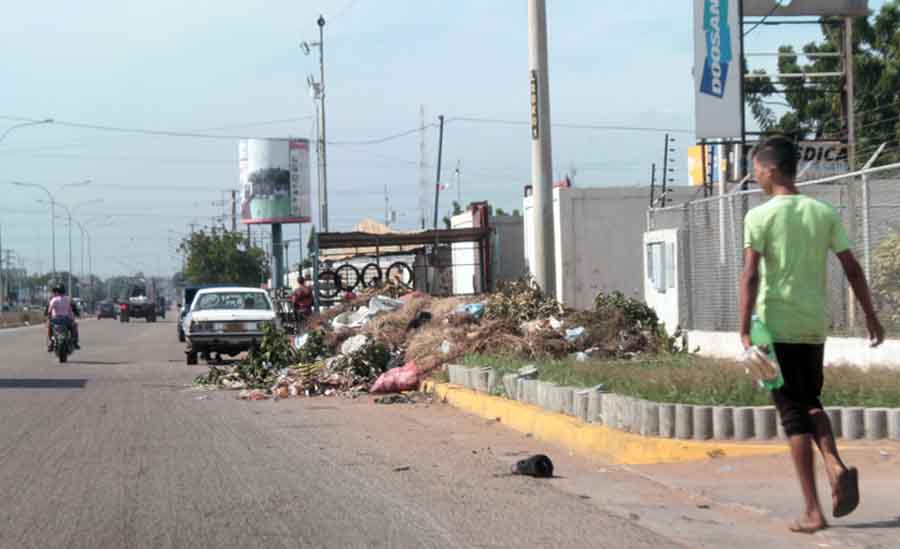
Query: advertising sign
[815,159]
[717,69]
[780,8]
[275,181]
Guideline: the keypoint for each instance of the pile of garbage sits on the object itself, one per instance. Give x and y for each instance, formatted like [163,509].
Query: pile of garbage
[384,344]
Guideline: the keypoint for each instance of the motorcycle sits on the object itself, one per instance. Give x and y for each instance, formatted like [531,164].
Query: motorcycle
[62,340]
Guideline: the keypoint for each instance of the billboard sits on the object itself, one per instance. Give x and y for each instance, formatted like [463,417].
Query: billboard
[778,8]
[275,181]
[717,69]
[815,159]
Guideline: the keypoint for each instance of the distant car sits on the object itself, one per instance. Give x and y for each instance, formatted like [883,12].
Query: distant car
[107,309]
[226,321]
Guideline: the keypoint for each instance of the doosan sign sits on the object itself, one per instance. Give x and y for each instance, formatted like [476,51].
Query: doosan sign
[717,91]
[718,48]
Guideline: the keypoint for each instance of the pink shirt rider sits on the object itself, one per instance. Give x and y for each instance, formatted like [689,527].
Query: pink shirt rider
[61,306]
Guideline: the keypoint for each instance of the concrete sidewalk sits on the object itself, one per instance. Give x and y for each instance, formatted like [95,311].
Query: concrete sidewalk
[766,485]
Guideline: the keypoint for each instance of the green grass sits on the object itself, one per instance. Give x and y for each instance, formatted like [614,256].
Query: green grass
[691,379]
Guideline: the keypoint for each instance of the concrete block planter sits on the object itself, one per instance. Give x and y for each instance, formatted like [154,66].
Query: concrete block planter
[650,419]
[510,386]
[875,423]
[743,423]
[667,420]
[595,405]
[545,395]
[581,404]
[893,424]
[567,400]
[723,422]
[835,416]
[684,421]
[764,420]
[703,422]
[853,423]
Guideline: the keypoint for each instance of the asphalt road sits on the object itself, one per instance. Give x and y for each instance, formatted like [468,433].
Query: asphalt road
[115,450]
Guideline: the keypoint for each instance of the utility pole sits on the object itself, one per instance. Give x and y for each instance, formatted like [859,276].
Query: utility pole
[321,23]
[437,186]
[653,185]
[458,185]
[423,170]
[233,211]
[851,148]
[541,148]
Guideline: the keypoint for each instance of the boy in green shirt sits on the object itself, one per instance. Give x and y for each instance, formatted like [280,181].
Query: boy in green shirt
[786,245]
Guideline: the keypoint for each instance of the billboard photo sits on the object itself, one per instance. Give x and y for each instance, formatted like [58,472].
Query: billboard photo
[275,181]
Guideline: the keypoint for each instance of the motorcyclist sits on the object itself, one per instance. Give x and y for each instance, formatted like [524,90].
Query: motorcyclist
[61,310]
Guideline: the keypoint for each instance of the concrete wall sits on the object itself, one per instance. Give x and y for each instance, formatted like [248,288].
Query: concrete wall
[850,351]
[599,240]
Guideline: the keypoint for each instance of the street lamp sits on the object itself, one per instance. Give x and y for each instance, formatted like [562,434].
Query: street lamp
[52,217]
[318,90]
[69,215]
[10,129]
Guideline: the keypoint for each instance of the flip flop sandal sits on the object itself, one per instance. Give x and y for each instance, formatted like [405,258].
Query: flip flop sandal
[799,528]
[848,488]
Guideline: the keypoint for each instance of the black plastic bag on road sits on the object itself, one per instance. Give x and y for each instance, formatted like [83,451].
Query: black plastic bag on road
[538,466]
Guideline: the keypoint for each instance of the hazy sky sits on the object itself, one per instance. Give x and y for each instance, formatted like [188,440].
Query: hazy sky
[225,67]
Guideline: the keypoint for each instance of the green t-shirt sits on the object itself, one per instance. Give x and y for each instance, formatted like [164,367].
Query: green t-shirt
[793,233]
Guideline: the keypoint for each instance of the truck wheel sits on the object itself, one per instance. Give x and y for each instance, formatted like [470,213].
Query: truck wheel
[191,359]
[151,318]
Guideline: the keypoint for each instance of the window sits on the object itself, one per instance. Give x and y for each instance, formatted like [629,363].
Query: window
[656,266]
[254,301]
[661,259]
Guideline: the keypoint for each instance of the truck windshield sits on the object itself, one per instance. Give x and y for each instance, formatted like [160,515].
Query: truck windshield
[254,301]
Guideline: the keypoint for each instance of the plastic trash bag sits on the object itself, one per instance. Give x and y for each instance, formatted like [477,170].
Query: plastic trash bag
[405,378]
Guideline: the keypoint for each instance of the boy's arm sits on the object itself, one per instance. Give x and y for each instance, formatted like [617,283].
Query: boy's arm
[857,279]
[748,291]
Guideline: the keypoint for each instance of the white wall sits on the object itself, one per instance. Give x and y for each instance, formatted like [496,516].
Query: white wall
[465,258]
[851,351]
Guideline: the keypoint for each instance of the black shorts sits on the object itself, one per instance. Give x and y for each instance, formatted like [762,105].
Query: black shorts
[802,366]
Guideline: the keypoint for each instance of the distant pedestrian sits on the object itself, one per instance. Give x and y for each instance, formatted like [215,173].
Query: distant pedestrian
[786,244]
[302,300]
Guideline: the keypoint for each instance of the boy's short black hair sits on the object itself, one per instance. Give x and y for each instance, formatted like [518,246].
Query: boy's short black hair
[780,152]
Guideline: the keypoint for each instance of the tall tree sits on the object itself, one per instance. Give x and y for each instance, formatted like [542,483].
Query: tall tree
[220,256]
[816,106]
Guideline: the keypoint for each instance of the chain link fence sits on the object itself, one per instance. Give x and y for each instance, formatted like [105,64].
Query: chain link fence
[711,242]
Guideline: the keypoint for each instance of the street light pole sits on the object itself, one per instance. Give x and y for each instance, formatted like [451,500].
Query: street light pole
[318,90]
[52,218]
[321,23]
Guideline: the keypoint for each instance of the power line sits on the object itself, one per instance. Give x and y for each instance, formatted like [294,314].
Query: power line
[603,127]
[127,130]
[380,140]
[763,20]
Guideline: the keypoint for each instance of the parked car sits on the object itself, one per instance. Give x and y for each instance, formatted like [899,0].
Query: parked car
[107,309]
[226,321]
[184,308]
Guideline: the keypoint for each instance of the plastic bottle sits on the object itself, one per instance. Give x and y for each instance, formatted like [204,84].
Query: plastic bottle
[767,363]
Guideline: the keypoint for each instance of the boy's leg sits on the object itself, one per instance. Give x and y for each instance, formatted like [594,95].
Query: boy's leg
[802,454]
[794,401]
[825,441]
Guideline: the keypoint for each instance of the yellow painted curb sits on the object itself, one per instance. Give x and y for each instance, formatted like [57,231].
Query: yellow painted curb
[589,439]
